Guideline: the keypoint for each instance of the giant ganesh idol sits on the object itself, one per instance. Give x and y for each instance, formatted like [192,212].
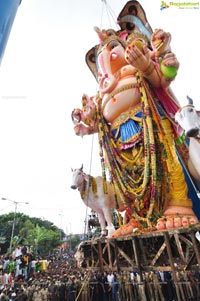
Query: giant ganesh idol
[133,116]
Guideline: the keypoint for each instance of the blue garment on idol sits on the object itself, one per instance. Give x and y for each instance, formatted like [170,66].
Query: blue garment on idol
[128,129]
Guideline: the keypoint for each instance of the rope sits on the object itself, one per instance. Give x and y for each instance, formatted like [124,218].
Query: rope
[90,167]
[88,187]
[111,16]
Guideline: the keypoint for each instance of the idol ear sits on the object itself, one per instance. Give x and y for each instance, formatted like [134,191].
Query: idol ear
[131,16]
[81,167]
[123,35]
[101,34]
[90,59]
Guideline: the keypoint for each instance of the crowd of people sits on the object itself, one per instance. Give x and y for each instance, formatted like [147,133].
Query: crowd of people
[57,278]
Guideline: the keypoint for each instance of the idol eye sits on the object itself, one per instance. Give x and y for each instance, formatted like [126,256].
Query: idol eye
[110,32]
[113,44]
[190,110]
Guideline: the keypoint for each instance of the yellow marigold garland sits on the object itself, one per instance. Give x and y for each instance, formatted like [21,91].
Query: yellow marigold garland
[92,184]
[135,187]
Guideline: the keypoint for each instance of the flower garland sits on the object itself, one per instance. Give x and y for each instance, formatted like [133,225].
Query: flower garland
[138,185]
[92,184]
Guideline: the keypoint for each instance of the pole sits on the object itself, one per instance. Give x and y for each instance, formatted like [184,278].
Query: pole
[70,239]
[13,227]
[14,219]
[61,225]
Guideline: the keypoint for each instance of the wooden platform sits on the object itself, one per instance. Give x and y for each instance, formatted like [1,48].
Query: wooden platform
[173,250]
[176,252]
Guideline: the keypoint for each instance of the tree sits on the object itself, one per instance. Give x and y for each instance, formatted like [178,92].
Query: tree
[74,241]
[43,239]
[38,234]
[43,236]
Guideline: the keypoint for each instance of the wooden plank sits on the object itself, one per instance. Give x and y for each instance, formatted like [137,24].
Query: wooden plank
[158,254]
[179,247]
[171,260]
[100,256]
[142,249]
[185,240]
[141,283]
[117,264]
[105,248]
[196,249]
[124,253]
[109,254]
[128,259]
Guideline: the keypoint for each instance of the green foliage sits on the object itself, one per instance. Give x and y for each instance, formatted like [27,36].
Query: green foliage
[74,240]
[40,235]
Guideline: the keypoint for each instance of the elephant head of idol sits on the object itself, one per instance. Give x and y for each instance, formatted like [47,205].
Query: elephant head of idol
[106,58]
[109,58]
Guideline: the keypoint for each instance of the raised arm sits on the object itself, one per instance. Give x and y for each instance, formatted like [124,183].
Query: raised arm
[158,65]
[85,119]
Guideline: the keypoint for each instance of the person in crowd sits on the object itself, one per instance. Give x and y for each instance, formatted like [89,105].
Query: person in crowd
[115,288]
[72,289]
[63,281]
